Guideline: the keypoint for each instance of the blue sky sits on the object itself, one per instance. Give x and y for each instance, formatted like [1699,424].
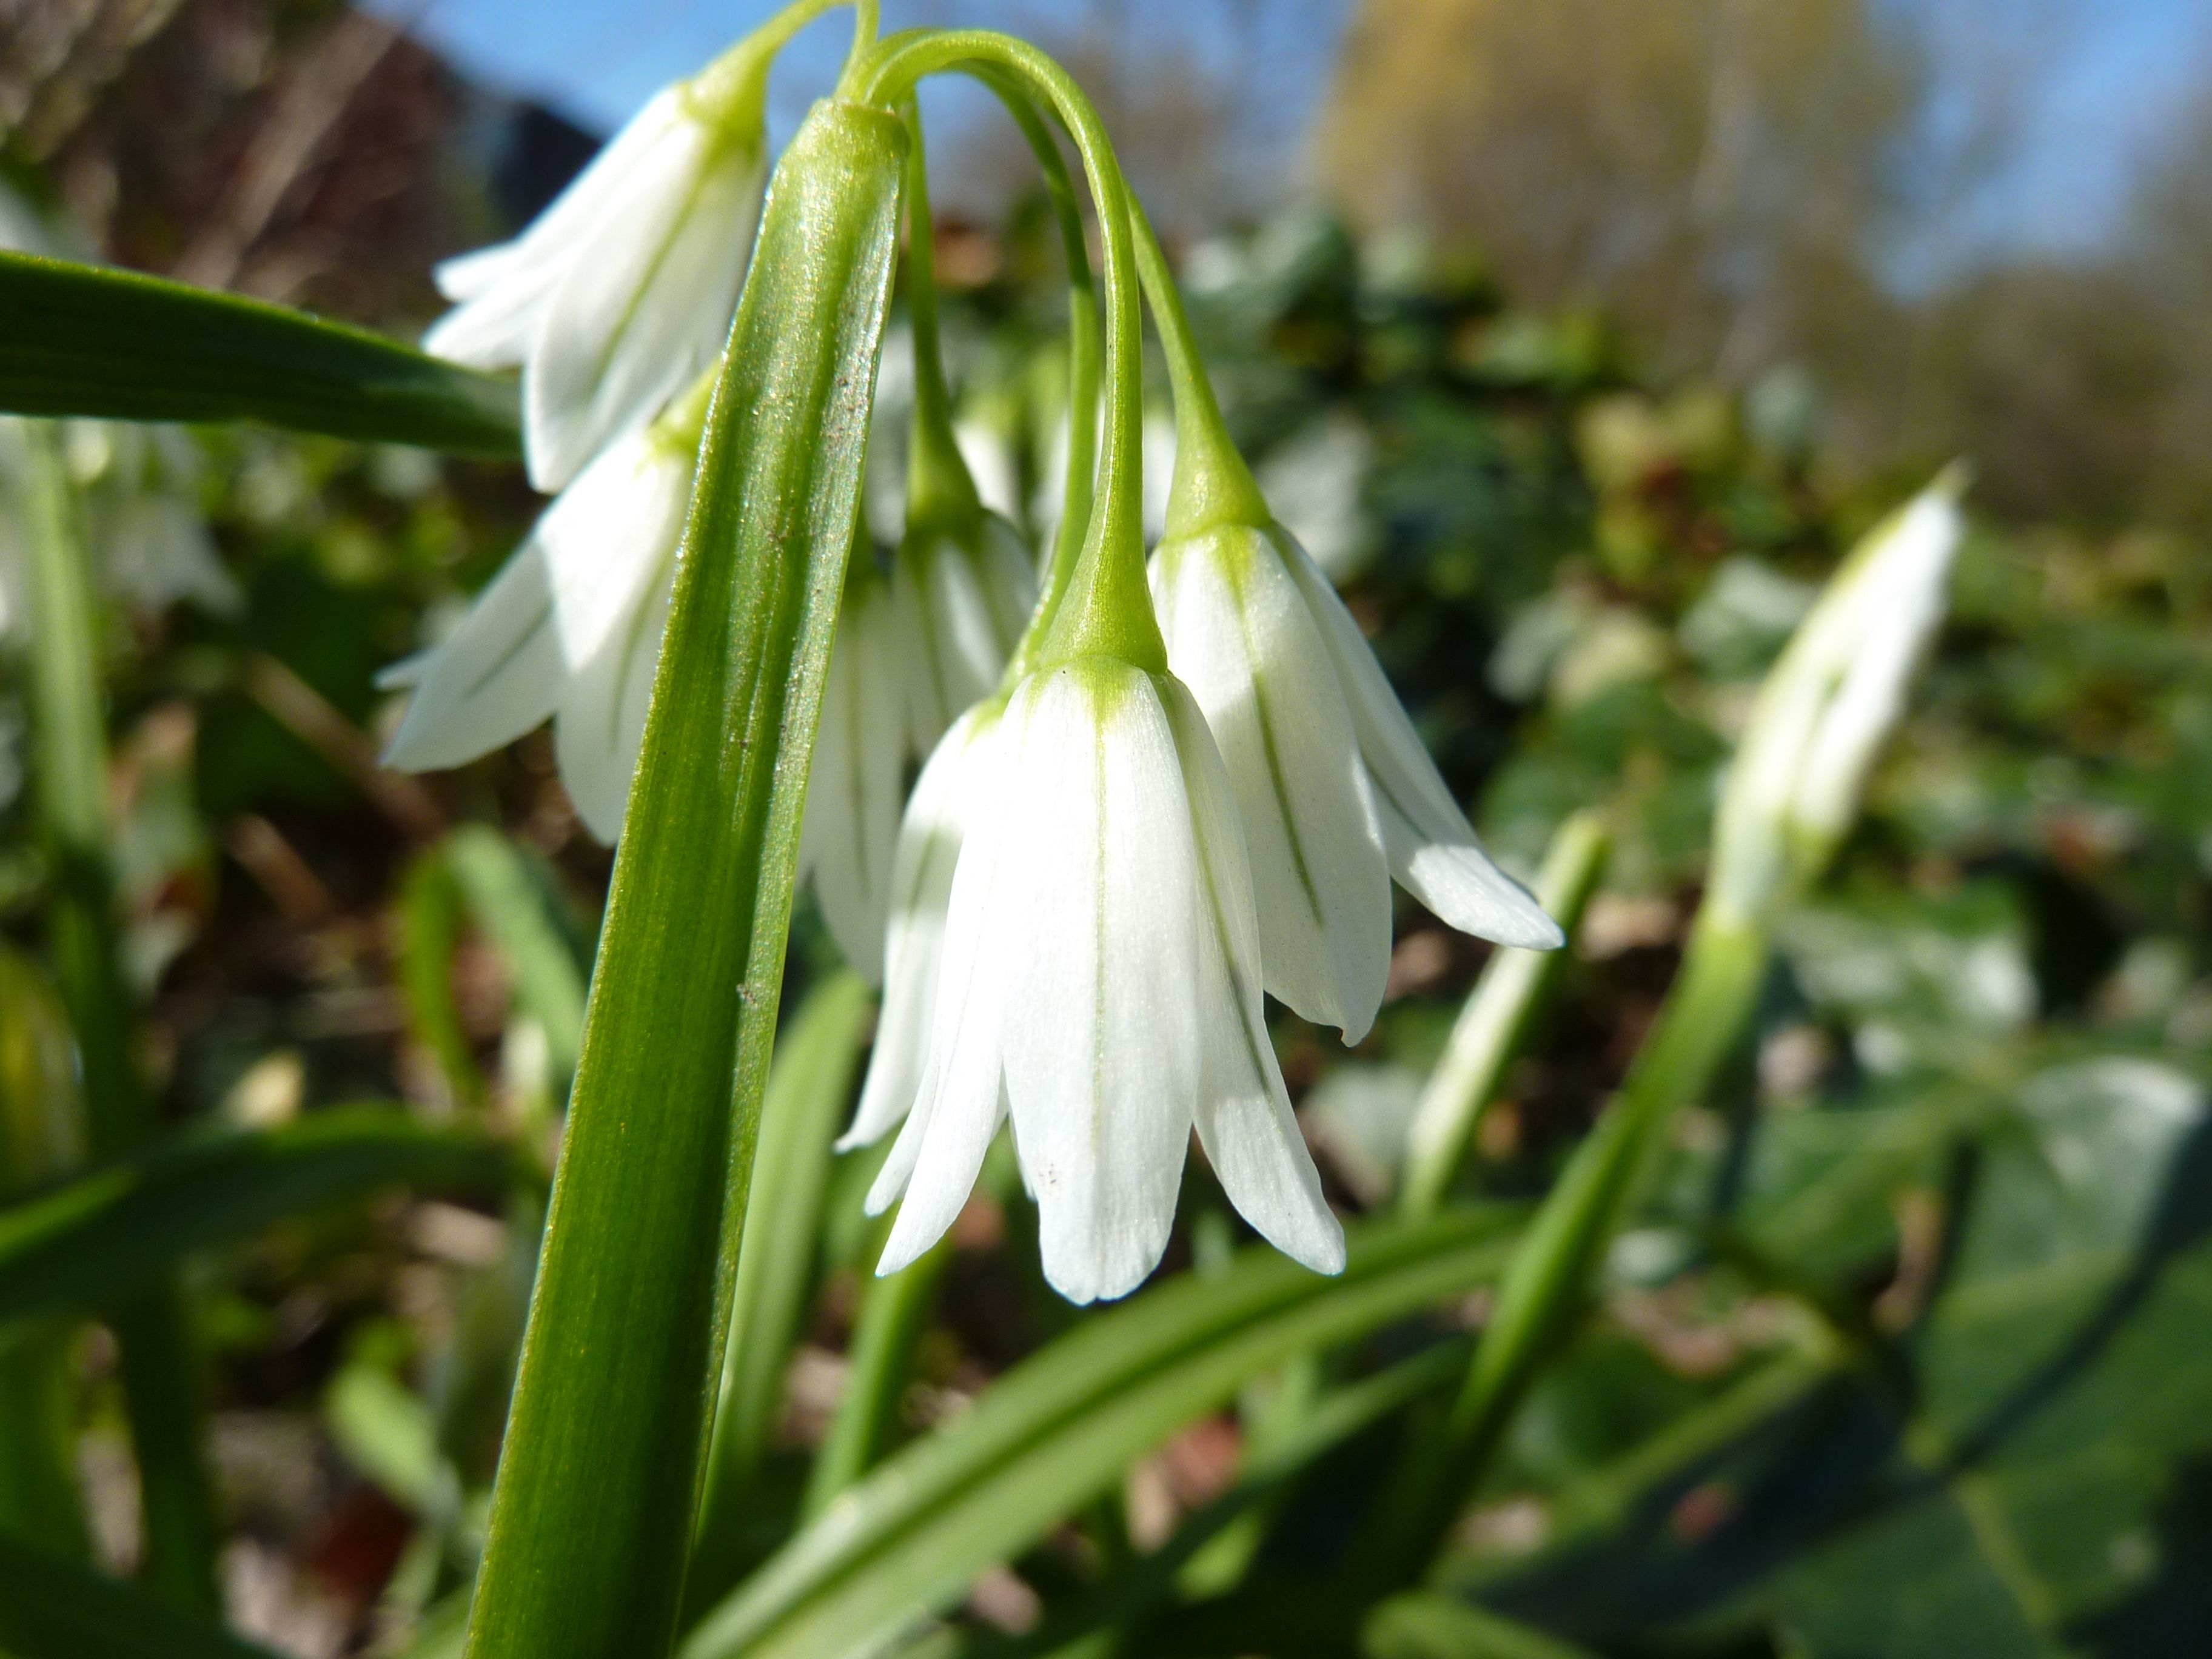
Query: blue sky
[2107,78]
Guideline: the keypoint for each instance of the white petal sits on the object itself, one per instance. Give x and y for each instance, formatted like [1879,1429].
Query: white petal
[495,328]
[1100,884]
[851,819]
[1460,886]
[929,841]
[1433,850]
[600,724]
[1243,1114]
[492,678]
[1240,637]
[639,321]
[610,536]
[934,1164]
[500,290]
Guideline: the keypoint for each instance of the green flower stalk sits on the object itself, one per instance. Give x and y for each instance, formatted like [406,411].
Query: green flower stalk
[1096,942]
[1791,793]
[1335,792]
[919,644]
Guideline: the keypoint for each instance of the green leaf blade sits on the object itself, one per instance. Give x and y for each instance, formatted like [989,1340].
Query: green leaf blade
[69,1247]
[84,340]
[592,1508]
[50,1608]
[1065,1424]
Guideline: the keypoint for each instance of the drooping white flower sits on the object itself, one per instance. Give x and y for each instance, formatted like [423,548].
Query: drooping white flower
[932,830]
[1336,791]
[1829,702]
[569,628]
[1098,981]
[915,650]
[621,293]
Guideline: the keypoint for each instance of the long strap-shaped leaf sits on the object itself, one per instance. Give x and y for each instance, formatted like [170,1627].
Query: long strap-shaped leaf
[591,1512]
[86,340]
[50,1608]
[70,1247]
[1062,1428]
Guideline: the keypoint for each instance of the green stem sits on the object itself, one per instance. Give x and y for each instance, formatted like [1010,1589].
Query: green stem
[1515,987]
[161,1386]
[41,1139]
[867,22]
[1107,605]
[1550,1280]
[1212,485]
[939,491]
[893,1315]
[1083,368]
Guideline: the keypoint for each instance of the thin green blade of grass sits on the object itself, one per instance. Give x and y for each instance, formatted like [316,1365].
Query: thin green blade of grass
[52,1608]
[1062,1427]
[69,1247]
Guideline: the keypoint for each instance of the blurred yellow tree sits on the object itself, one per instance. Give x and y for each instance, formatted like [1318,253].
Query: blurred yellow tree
[1713,171]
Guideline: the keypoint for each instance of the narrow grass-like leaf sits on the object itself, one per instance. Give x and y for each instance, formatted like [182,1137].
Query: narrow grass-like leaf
[1062,1427]
[429,917]
[511,905]
[159,1364]
[1506,1001]
[592,1512]
[80,339]
[1550,1282]
[41,1139]
[1122,1601]
[809,1090]
[1425,1625]
[50,1608]
[71,1246]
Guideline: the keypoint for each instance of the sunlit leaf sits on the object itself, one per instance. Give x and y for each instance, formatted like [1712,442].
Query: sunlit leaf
[1062,1427]
[86,340]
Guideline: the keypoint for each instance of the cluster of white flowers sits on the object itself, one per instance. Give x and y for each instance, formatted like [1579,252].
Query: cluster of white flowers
[1100,867]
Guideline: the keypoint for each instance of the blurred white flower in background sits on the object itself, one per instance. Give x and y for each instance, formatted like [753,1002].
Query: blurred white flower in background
[1831,699]
[1314,483]
[140,489]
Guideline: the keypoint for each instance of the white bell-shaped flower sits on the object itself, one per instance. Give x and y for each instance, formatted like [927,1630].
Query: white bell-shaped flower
[1099,982]
[569,628]
[932,832]
[915,649]
[621,293]
[1830,701]
[1336,791]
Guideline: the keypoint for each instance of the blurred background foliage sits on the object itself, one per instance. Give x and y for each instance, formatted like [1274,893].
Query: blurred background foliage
[1595,351]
